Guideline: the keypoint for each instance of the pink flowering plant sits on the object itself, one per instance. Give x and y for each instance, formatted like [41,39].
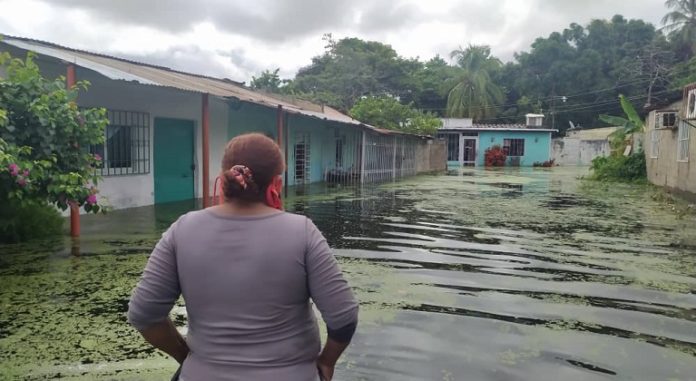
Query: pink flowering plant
[45,139]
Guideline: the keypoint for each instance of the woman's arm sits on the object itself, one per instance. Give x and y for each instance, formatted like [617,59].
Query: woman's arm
[329,356]
[154,297]
[165,337]
[333,297]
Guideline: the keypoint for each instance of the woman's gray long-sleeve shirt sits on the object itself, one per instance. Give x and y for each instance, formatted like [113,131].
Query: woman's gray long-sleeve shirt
[246,282]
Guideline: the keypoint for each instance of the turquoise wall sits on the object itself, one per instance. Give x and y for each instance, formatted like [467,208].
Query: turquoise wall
[247,117]
[323,135]
[537,145]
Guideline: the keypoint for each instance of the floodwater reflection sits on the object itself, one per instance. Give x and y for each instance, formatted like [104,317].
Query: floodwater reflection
[500,275]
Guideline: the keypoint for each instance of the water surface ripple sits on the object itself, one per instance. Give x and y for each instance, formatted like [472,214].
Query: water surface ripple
[473,275]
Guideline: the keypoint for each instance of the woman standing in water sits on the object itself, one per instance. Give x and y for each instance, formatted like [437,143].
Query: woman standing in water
[247,271]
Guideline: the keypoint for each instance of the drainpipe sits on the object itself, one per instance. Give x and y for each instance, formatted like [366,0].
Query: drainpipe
[362,159]
[394,161]
[279,126]
[205,131]
[280,119]
[286,125]
[74,208]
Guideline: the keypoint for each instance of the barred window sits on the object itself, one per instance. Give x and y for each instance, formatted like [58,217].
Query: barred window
[452,146]
[126,150]
[683,142]
[654,144]
[302,158]
[339,151]
[513,147]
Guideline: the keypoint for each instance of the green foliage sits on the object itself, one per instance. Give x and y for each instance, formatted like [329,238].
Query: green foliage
[573,74]
[475,95]
[619,168]
[430,84]
[681,21]
[269,81]
[590,65]
[351,68]
[684,73]
[31,220]
[387,112]
[629,124]
[45,139]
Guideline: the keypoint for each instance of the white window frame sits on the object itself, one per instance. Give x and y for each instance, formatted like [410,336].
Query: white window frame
[683,142]
[660,119]
[691,105]
[654,144]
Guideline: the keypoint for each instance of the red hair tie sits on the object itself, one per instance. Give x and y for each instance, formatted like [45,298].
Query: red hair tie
[242,175]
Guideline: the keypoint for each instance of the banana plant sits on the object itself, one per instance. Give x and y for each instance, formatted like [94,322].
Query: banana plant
[630,124]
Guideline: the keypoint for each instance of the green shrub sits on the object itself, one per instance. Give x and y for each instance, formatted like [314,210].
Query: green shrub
[20,223]
[619,168]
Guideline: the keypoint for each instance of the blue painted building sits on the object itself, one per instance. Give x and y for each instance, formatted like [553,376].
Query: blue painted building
[524,144]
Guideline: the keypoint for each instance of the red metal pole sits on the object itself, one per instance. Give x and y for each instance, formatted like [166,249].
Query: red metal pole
[70,76]
[205,130]
[279,126]
[74,208]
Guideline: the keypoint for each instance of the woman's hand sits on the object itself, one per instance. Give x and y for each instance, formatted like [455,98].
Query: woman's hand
[326,371]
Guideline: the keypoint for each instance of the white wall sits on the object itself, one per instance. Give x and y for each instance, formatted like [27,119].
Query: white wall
[138,190]
[569,151]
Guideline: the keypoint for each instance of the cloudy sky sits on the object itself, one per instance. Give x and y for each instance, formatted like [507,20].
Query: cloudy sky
[236,39]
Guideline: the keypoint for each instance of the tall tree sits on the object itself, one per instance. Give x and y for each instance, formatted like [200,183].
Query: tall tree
[430,85]
[351,68]
[681,22]
[475,95]
[387,112]
[589,66]
[268,81]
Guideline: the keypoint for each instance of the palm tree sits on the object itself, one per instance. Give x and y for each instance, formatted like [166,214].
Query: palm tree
[475,95]
[682,21]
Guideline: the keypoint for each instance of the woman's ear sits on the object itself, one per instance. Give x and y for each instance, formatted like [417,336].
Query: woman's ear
[273,193]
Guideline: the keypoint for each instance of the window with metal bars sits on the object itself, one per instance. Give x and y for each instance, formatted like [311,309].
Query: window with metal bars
[654,144]
[339,151]
[126,148]
[513,147]
[452,146]
[302,159]
[683,142]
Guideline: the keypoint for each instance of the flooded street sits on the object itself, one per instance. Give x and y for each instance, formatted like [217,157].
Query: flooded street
[474,275]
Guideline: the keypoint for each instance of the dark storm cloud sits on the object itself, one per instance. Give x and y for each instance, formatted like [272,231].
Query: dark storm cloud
[287,26]
[380,16]
[263,19]
[188,58]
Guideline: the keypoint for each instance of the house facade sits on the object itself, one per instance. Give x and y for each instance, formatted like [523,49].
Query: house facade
[168,129]
[524,144]
[579,147]
[670,144]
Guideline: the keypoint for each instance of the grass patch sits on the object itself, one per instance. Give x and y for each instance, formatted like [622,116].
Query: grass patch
[21,223]
[619,168]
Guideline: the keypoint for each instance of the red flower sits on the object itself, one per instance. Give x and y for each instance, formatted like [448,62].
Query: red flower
[14,169]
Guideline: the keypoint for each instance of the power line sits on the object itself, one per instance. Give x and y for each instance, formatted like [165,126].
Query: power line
[502,106]
[598,106]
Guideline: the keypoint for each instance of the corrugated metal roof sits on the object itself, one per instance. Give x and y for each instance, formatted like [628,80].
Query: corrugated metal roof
[121,69]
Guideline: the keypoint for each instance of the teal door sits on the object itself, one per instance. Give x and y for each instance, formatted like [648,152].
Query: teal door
[173,158]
